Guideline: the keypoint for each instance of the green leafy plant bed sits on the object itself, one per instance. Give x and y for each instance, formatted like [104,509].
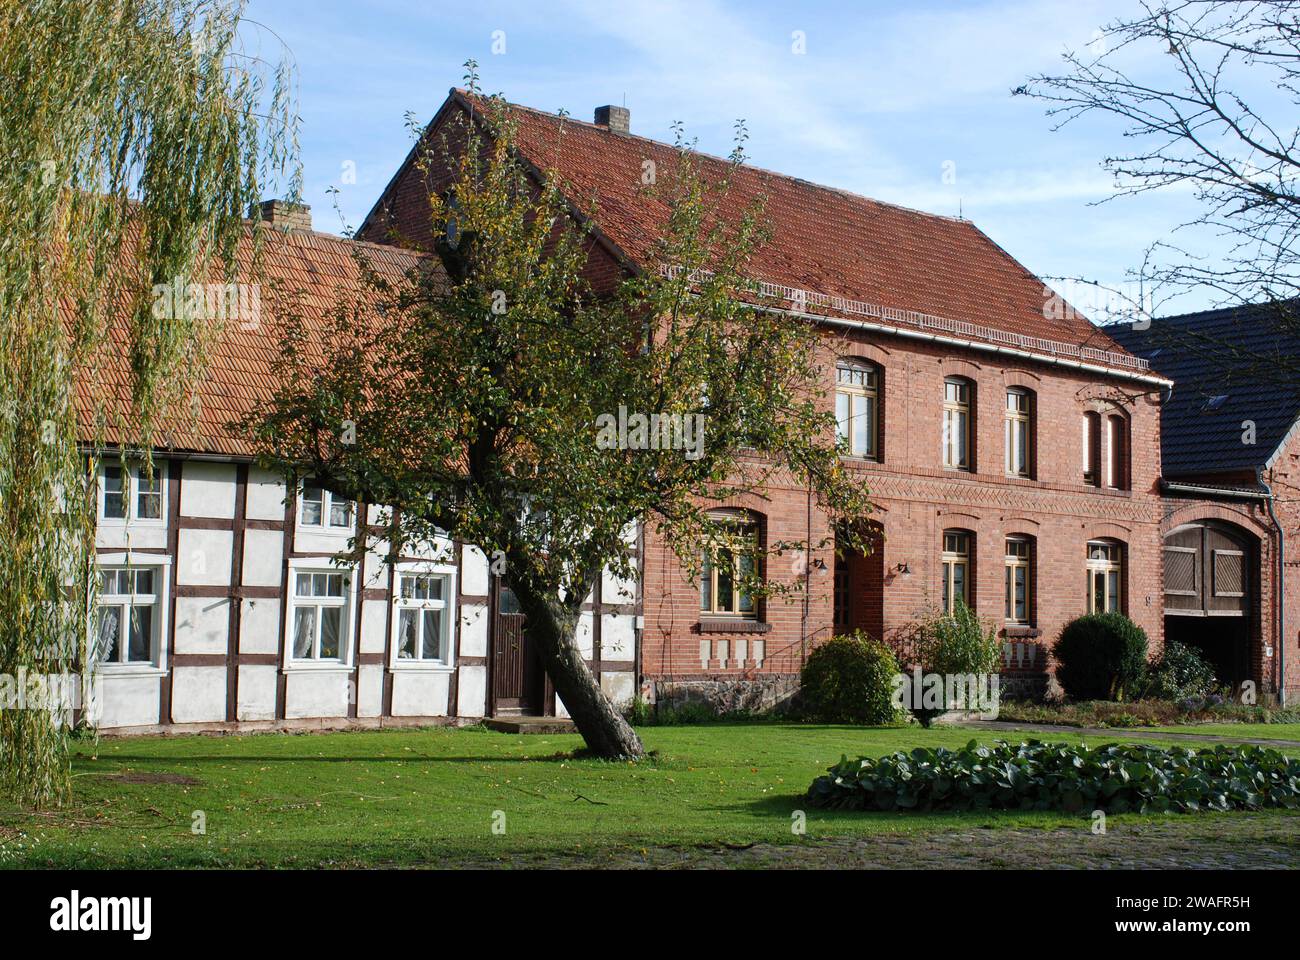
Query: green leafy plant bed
[1062,776]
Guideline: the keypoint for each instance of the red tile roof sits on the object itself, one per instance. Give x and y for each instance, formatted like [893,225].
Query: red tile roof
[311,271]
[894,261]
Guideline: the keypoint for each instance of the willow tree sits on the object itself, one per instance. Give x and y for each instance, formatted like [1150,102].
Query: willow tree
[134,133]
[479,400]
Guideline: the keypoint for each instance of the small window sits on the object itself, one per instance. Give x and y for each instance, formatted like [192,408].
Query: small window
[957,423]
[1019,580]
[423,621]
[322,509]
[1092,449]
[320,614]
[722,580]
[1105,576]
[857,406]
[956,567]
[1019,432]
[127,494]
[128,614]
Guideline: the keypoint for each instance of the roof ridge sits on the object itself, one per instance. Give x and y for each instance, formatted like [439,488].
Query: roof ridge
[843,191]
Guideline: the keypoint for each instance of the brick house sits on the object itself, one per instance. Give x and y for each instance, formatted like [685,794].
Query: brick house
[1229,511]
[1012,448]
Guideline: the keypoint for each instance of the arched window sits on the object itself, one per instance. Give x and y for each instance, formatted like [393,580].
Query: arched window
[1092,448]
[1117,452]
[958,402]
[1019,432]
[1105,576]
[857,407]
[1019,580]
[723,589]
[956,568]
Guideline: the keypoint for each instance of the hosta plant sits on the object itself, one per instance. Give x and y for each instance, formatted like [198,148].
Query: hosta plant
[1034,775]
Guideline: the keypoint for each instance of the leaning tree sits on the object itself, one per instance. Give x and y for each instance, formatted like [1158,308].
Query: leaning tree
[1206,93]
[134,133]
[474,399]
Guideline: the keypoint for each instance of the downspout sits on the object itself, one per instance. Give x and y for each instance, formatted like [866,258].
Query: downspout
[1281,589]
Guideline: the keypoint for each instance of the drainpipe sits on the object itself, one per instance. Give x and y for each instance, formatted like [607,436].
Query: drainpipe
[1281,588]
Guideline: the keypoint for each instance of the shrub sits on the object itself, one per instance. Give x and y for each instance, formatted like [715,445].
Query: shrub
[850,679]
[1180,673]
[1101,656]
[959,643]
[1062,776]
[950,645]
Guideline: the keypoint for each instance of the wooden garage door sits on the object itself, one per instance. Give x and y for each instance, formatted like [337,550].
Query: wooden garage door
[1207,572]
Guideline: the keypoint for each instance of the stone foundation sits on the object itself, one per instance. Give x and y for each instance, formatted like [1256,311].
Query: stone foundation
[774,693]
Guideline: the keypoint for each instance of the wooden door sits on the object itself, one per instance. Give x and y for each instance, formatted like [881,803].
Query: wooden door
[514,669]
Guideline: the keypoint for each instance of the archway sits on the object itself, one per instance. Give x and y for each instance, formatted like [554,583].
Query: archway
[1211,590]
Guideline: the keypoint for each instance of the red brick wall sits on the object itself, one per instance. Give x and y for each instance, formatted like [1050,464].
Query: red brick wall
[917,499]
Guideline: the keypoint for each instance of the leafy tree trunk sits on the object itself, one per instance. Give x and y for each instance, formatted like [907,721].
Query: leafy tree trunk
[552,629]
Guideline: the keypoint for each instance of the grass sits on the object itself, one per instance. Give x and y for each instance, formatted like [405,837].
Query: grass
[1240,731]
[432,797]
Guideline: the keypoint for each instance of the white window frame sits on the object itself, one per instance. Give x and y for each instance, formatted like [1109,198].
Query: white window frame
[161,565]
[348,642]
[953,440]
[1102,567]
[949,560]
[447,605]
[1019,424]
[131,492]
[1011,563]
[749,529]
[324,527]
[858,382]
[1117,451]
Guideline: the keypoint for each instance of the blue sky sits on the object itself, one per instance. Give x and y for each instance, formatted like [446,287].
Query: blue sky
[885,99]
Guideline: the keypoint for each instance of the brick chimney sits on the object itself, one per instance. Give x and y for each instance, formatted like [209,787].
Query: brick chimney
[618,119]
[282,214]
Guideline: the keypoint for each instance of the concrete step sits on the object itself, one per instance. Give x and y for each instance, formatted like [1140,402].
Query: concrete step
[524,724]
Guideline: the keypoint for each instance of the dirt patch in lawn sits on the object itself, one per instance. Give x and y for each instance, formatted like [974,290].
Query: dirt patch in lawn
[1243,842]
[179,779]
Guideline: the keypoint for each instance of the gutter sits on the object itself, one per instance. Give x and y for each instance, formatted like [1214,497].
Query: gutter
[1281,590]
[1204,491]
[977,345]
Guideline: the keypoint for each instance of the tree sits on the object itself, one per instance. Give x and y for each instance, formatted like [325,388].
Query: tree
[1207,91]
[134,135]
[480,399]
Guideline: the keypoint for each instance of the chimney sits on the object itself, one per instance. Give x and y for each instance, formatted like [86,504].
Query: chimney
[618,119]
[282,214]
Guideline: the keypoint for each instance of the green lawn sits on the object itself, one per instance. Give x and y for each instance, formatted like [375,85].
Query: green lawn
[1251,731]
[431,796]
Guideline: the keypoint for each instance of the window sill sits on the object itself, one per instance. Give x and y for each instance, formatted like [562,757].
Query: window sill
[131,670]
[325,531]
[1020,631]
[314,666]
[415,666]
[707,625]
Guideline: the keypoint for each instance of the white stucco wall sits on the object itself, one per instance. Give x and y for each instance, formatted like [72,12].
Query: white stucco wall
[207,489]
[420,693]
[204,557]
[198,694]
[202,625]
[257,683]
[471,692]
